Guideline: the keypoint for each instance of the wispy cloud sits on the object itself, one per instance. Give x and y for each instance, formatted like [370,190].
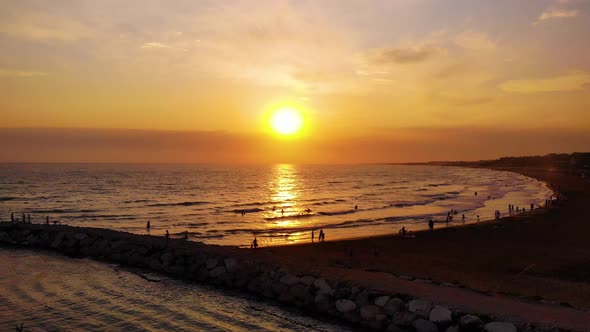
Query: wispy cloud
[21,73]
[568,82]
[154,45]
[38,27]
[474,40]
[400,55]
[555,14]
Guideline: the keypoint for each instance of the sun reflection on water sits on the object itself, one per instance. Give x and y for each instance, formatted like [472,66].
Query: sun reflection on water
[285,187]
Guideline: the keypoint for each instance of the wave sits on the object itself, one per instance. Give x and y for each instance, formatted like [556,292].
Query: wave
[3,199]
[178,204]
[63,211]
[138,201]
[253,210]
[293,216]
[336,213]
[254,203]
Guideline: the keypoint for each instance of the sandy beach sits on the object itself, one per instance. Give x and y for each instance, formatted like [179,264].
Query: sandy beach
[543,256]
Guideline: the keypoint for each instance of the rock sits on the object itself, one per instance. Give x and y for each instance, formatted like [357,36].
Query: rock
[323,287]
[423,325]
[342,293]
[323,302]
[217,272]
[420,307]
[351,316]
[299,291]
[499,327]
[80,236]
[345,305]
[167,258]
[211,263]
[394,328]
[375,325]
[231,264]
[381,301]
[289,280]
[394,305]
[470,323]
[453,328]
[362,298]
[440,315]
[307,280]
[370,311]
[58,239]
[403,318]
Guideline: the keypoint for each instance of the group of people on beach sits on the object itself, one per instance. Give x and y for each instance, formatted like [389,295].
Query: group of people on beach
[321,237]
[26,219]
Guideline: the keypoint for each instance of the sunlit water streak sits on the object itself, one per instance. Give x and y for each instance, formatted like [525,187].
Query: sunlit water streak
[232,204]
[46,290]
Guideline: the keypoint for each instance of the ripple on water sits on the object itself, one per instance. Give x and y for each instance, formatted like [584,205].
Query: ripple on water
[50,290]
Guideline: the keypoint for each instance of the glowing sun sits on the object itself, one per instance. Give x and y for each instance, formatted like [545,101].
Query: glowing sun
[286,121]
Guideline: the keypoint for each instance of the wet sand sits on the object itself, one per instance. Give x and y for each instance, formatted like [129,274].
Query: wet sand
[544,256]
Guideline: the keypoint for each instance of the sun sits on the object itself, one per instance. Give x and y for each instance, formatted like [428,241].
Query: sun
[287,121]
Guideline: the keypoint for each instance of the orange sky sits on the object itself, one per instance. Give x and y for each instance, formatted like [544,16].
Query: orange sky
[190,81]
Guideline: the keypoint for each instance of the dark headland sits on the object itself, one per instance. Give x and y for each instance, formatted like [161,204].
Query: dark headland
[532,270]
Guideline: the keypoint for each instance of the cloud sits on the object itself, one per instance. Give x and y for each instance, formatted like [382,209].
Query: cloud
[154,45]
[568,82]
[39,27]
[21,73]
[408,55]
[555,14]
[474,40]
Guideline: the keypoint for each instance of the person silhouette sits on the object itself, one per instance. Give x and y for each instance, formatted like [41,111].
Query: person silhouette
[148,226]
[12,216]
[186,235]
[356,207]
[254,244]
[167,235]
[47,220]
[312,234]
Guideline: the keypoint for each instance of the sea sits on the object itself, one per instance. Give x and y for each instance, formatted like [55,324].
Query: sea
[50,292]
[277,204]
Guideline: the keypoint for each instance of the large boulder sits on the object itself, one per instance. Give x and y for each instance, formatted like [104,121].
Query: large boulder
[231,265]
[420,307]
[423,325]
[307,280]
[58,239]
[323,302]
[381,301]
[323,287]
[394,305]
[499,327]
[345,305]
[289,279]
[440,315]
[217,272]
[404,318]
[370,312]
[470,323]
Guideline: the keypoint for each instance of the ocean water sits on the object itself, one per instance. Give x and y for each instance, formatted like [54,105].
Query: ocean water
[46,290]
[278,204]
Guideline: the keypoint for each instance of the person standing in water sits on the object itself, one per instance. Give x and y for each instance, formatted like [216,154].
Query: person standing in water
[12,216]
[430,224]
[254,244]
[312,234]
[148,226]
[47,220]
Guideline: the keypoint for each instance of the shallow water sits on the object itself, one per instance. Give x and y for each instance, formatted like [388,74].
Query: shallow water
[46,290]
[208,201]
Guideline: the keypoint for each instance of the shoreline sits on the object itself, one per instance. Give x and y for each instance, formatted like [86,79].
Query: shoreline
[421,267]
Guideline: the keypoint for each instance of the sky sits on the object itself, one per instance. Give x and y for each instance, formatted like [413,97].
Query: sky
[378,81]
